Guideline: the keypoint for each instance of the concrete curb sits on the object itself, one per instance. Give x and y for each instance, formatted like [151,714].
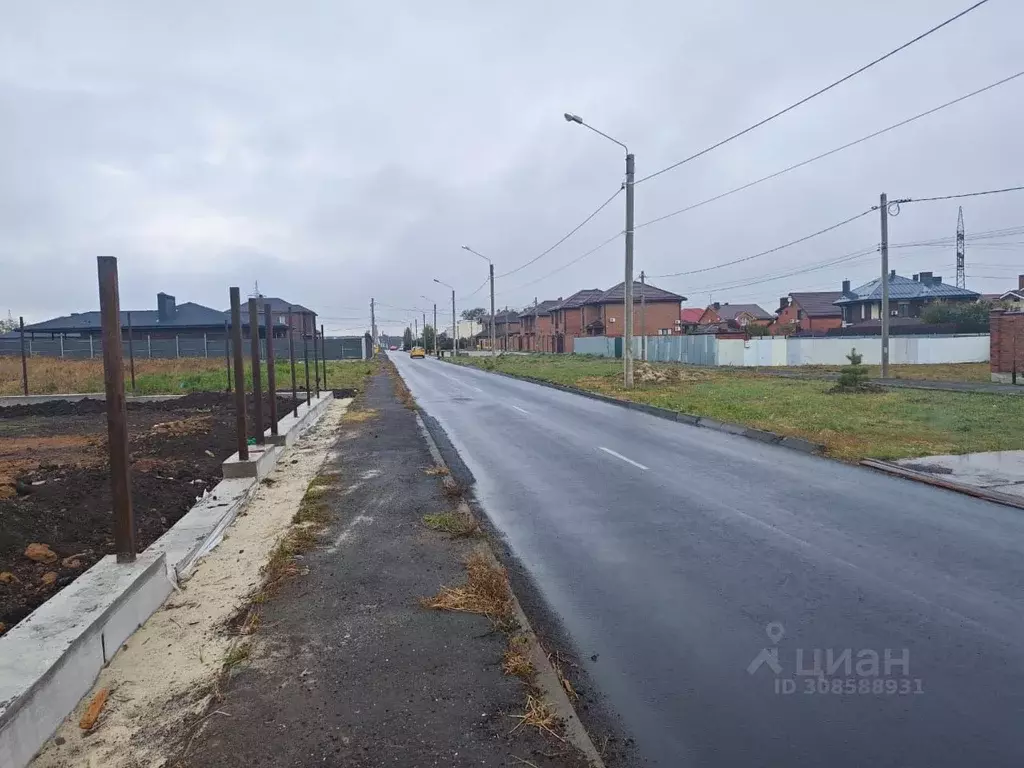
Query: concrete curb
[923,477]
[761,435]
[51,659]
[547,679]
[8,400]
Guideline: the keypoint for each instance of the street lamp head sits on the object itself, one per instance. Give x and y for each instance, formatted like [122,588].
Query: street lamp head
[436,280]
[571,118]
[465,248]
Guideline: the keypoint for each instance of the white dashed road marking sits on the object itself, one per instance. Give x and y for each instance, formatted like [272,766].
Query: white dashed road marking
[521,410]
[620,456]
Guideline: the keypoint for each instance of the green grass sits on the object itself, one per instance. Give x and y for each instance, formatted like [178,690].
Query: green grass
[895,424]
[338,375]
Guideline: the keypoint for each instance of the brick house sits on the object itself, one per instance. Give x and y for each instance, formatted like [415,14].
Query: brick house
[808,312]
[507,330]
[568,318]
[537,328]
[740,315]
[907,297]
[303,318]
[655,311]
[689,318]
[1006,346]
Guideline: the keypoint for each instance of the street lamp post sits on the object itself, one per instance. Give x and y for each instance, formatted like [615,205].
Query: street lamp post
[455,328]
[435,321]
[491,273]
[627,287]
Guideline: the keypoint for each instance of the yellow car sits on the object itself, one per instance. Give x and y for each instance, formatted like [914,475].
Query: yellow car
[417,352]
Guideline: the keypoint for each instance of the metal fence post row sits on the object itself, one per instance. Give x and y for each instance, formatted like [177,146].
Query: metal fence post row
[236,338]
[271,373]
[257,386]
[291,357]
[117,412]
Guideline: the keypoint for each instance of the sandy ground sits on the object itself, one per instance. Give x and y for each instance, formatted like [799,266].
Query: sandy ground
[164,675]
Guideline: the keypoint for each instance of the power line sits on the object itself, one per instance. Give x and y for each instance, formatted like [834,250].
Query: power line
[832,151]
[813,267]
[770,250]
[568,264]
[572,232]
[816,93]
[473,293]
[965,194]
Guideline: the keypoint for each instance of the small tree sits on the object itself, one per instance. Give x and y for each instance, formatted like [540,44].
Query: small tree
[8,323]
[428,337]
[407,339]
[476,313]
[854,376]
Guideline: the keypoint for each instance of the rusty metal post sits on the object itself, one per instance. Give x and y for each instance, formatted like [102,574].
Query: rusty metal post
[316,360]
[117,410]
[323,353]
[131,351]
[24,361]
[227,352]
[305,355]
[271,373]
[254,353]
[291,356]
[236,348]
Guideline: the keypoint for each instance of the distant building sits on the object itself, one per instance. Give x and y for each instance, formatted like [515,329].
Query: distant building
[689,318]
[740,315]
[1014,295]
[807,312]
[303,318]
[655,311]
[907,297]
[168,320]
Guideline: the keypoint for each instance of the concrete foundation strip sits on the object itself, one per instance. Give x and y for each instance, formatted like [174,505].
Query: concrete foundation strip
[547,679]
[761,435]
[923,477]
[51,659]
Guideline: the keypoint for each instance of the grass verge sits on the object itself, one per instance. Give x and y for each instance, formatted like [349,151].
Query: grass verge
[456,523]
[896,424]
[48,375]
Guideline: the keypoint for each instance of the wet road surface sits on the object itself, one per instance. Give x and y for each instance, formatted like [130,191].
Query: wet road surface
[715,577]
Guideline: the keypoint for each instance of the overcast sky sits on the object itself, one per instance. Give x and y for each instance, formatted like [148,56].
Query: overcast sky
[337,151]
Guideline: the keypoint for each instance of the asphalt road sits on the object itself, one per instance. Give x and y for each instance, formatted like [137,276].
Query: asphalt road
[678,555]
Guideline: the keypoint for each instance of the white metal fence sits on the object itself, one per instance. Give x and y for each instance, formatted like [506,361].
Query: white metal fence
[780,351]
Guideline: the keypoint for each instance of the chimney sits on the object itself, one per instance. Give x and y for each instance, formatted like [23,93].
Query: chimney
[846,287]
[716,306]
[937,280]
[165,308]
[892,274]
[783,302]
[1020,282]
[926,278]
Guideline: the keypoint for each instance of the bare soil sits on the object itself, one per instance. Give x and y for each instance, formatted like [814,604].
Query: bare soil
[55,483]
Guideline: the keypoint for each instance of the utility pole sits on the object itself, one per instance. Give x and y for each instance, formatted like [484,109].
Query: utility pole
[643,316]
[627,351]
[373,324]
[435,330]
[455,328]
[492,310]
[884,209]
[534,345]
[961,278]
[415,331]
[506,328]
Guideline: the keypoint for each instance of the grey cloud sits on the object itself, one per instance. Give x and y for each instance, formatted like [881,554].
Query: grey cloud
[340,152]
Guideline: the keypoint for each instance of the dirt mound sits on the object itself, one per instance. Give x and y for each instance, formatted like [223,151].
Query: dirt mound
[646,373]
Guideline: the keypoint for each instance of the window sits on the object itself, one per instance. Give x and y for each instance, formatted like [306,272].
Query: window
[904,309]
[664,331]
[799,314]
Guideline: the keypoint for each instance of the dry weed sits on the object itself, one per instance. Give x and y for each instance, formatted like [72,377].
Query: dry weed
[436,470]
[540,715]
[486,592]
[516,662]
[456,523]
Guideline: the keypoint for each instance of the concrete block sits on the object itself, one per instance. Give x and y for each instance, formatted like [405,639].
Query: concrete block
[51,659]
[291,426]
[799,444]
[202,529]
[762,435]
[721,426]
[261,460]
